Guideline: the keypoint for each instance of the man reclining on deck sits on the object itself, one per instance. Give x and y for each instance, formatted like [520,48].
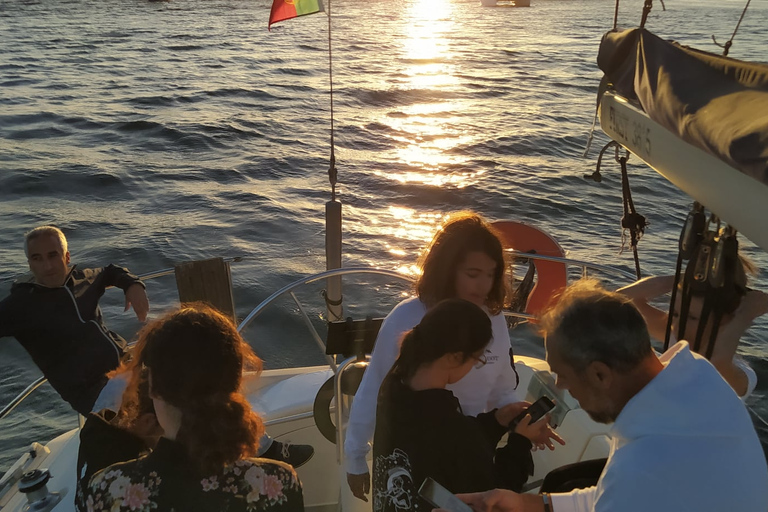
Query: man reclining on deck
[55,315]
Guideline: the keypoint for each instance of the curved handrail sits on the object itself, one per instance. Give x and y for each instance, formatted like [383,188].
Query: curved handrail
[317,277]
[21,396]
[372,270]
[578,263]
[168,271]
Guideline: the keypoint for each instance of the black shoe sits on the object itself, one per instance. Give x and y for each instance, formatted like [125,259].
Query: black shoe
[294,454]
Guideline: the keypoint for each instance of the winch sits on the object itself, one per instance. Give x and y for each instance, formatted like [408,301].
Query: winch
[33,485]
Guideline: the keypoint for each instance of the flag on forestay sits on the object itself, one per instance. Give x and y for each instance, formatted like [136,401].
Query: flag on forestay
[287,9]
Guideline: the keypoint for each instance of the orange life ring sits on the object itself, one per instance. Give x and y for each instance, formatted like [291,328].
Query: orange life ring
[551,276]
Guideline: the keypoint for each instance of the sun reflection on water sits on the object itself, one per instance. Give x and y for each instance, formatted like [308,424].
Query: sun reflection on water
[430,129]
[435,179]
[414,229]
[427,130]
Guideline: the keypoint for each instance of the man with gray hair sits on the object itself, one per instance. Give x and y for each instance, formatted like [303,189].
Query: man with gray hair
[681,438]
[55,315]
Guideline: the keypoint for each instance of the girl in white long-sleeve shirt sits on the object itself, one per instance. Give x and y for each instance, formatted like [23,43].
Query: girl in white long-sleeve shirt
[466,260]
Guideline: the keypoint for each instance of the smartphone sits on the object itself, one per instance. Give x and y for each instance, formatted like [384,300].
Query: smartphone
[441,497]
[537,410]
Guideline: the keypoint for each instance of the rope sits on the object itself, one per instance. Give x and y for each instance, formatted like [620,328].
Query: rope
[712,255]
[718,318]
[596,176]
[332,172]
[729,43]
[646,11]
[678,268]
[721,278]
[706,309]
[631,220]
[329,302]
[685,306]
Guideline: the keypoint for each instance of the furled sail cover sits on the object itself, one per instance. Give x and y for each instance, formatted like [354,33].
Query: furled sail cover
[716,103]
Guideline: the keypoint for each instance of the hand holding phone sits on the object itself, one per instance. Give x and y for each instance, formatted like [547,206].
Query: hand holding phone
[441,497]
[537,410]
[538,432]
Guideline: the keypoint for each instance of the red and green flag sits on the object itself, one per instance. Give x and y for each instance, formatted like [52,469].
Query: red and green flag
[287,9]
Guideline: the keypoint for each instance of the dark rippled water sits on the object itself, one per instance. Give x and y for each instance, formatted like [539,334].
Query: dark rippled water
[159,132]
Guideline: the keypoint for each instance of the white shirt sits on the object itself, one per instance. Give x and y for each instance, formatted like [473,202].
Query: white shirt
[685,442]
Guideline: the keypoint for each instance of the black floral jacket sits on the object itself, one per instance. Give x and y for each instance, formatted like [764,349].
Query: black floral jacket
[164,482]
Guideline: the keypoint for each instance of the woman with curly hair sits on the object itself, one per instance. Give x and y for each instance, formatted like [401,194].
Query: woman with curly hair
[194,359]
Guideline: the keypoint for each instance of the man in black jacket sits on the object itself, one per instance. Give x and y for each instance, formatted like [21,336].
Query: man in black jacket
[55,315]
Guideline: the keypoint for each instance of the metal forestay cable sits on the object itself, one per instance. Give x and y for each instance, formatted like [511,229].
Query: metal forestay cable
[604,84]
[645,14]
[729,43]
[332,172]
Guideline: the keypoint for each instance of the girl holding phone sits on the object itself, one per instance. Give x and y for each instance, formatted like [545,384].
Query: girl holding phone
[421,430]
[464,260]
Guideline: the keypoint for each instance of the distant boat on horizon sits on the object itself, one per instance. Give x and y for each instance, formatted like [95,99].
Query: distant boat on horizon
[505,3]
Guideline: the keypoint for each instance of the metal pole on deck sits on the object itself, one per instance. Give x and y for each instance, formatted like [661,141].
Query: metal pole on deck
[333,297]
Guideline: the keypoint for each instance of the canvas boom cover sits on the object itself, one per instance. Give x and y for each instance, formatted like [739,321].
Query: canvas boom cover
[716,103]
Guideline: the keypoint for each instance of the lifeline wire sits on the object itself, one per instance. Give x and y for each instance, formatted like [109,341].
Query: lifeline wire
[729,43]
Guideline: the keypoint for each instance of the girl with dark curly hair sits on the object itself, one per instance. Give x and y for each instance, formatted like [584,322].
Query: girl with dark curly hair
[194,359]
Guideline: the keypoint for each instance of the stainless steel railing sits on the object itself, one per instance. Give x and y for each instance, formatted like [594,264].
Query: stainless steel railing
[288,289]
[21,396]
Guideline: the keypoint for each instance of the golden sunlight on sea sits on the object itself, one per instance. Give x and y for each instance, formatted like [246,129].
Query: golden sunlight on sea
[429,130]
[411,225]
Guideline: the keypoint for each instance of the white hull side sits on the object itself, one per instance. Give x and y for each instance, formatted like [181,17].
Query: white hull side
[735,197]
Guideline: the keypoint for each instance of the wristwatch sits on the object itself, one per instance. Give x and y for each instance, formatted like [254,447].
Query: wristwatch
[547,502]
